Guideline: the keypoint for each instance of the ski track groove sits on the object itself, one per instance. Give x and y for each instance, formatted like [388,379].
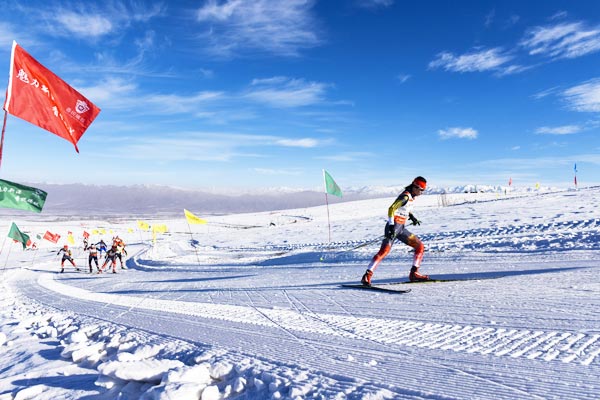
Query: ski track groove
[546,346]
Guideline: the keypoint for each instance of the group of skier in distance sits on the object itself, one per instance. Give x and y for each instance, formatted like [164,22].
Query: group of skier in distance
[111,255]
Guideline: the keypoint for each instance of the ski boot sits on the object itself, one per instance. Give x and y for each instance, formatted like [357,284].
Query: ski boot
[366,278]
[415,276]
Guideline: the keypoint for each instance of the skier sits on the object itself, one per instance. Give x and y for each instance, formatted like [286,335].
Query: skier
[120,251]
[101,246]
[67,255]
[93,256]
[111,255]
[399,212]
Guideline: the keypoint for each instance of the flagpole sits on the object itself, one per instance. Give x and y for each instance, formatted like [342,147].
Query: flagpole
[195,249]
[2,249]
[328,221]
[2,140]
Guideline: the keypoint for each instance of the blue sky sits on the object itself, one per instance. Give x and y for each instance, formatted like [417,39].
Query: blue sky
[266,93]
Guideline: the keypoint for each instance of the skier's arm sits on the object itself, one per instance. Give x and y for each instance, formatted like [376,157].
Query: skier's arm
[413,219]
[400,202]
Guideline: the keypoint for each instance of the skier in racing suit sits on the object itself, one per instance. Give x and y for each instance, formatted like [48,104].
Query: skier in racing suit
[67,256]
[399,212]
[111,255]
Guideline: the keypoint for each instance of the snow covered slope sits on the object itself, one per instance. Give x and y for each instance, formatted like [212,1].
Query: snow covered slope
[256,309]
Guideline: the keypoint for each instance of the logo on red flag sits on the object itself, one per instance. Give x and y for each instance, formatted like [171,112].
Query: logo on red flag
[52,237]
[40,97]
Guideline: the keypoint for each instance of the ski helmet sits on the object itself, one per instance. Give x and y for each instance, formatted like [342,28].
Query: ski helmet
[420,182]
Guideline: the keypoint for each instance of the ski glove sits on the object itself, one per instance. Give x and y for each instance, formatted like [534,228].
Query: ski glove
[414,219]
[390,231]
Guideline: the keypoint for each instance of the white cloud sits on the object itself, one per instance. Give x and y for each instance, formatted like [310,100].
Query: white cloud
[283,92]
[458,132]
[559,130]
[564,40]
[478,61]
[204,146]
[545,93]
[306,142]
[91,20]
[109,91]
[584,97]
[274,26]
[85,25]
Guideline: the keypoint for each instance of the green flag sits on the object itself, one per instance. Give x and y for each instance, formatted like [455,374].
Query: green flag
[15,195]
[17,235]
[330,186]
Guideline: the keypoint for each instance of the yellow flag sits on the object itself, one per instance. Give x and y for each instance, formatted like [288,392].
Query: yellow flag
[143,225]
[159,228]
[70,239]
[102,231]
[192,219]
[95,231]
[130,230]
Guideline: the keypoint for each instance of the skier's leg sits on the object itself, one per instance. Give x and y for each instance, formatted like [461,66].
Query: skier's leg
[413,241]
[384,250]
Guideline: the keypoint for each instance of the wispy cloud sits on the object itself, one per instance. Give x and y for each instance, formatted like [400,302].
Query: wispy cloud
[346,157]
[458,132]
[283,92]
[403,77]
[374,3]
[559,130]
[545,93]
[584,97]
[273,26]
[477,61]
[563,40]
[533,163]
[85,25]
[95,21]
[489,18]
[304,142]
[285,171]
[556,41]
[204,146]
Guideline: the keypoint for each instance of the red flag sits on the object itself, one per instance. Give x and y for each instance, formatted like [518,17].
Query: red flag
[38,96]
[86,235]
[52,237]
